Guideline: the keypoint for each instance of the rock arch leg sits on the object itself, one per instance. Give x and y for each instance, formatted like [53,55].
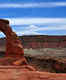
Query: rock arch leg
[14,47]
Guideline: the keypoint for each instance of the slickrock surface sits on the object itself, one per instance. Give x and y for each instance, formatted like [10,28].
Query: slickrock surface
[23,74]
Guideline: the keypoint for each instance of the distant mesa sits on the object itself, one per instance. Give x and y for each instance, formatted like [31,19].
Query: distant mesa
[40,41]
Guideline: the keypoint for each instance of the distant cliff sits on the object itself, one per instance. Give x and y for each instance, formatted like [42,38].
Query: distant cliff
[39,41]
[43,41]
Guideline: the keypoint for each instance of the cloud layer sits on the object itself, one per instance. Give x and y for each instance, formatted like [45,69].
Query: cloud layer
[39,30]
[33,5]
[37,26]
[29,21]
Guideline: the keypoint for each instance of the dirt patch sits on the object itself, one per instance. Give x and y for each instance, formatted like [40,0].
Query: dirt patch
[53,65]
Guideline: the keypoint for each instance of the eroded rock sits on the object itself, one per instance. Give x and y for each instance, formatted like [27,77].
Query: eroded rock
[15,56]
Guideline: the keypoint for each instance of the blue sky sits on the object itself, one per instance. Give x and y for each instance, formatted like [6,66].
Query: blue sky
[35,17]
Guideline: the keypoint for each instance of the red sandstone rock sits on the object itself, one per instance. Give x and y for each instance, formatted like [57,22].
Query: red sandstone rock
[34,42]
[44,41]
[14,51]
[22,74]
[14,47]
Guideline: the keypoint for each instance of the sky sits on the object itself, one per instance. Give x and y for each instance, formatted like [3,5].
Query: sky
[35,17]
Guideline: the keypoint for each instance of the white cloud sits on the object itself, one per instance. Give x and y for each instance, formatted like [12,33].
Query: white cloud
[26,32]
[33,30]
[59,27]
[32,5]
[36,28]
[29,30]
[30,21]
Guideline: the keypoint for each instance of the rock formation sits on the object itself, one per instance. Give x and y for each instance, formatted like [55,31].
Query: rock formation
[39,41]
[15,52]
[14,47]
[43,41]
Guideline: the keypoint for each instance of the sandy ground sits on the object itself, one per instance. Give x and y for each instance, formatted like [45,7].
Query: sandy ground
[57,52]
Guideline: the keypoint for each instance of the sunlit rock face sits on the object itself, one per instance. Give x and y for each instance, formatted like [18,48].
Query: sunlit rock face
[12,41]
[20,74]
[14,47]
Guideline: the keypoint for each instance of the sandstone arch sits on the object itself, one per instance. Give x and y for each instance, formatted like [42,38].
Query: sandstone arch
[14,47]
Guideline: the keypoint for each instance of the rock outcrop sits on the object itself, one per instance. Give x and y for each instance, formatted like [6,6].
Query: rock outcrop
[43,41]
[15,56]
[14,47]
[39,41]
[21,74]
